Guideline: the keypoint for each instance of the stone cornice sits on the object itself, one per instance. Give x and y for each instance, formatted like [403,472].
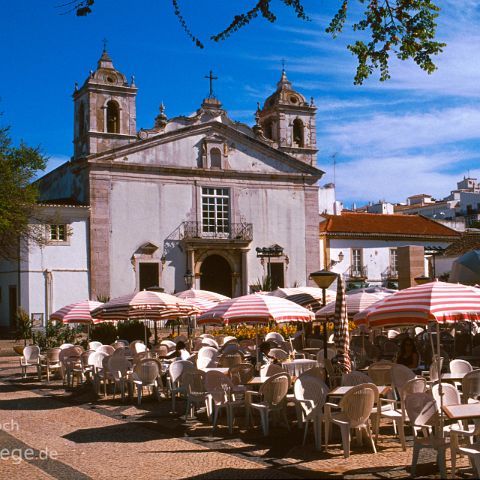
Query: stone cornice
[110,155]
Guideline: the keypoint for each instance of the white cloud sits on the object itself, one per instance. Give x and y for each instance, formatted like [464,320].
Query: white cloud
[383,133]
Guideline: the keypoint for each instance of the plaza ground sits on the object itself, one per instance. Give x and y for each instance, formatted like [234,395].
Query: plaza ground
[71,434]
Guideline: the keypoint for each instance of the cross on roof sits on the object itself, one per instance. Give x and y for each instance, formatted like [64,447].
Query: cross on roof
[211,78]
[104,44]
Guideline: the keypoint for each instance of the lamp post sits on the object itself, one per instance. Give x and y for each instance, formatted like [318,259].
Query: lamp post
[188,277]
[323,279]
[268,253]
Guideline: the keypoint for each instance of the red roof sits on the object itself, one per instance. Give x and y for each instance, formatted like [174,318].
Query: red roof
[386,225]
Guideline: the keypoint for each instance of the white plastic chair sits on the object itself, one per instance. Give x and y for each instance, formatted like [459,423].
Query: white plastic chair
[51,361]
[271,398]
[96,361]
[422,411]
[355,378]
[70,362]
[275,337]
[94,345]
[242,373]
[356,407]
[175,374]
[118,367]
[194,382]
[473,452]
[108,349]
[210,342]
[66,345]
[380,373]
[311,394]
[207,357]
[270,369]
[279,354]
[146,374]
[228,360]
[459,366]
[400,375]
[169,344]
[471,387]
[137,346]
[224,395]
[31,358]
[331,352]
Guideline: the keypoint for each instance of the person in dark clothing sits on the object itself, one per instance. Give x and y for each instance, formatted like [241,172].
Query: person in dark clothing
[408,354]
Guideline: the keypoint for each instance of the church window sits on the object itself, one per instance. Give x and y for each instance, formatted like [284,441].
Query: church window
[215,211]
[58,232]
[81,120]
[113,117]
[215,158]
[268,129]
[298,132]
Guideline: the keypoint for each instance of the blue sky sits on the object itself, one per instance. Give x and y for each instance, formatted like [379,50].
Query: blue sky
[413,134]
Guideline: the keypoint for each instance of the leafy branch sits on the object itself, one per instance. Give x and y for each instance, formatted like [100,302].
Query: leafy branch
[404,28]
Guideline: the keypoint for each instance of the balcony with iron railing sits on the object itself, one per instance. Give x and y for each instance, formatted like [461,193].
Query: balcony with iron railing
[356,272]
[235,232]
[390,274]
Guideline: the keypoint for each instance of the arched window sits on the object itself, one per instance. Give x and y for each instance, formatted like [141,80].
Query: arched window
[268,129]
[298,132]
[215,158]
[81,120]
[113,117]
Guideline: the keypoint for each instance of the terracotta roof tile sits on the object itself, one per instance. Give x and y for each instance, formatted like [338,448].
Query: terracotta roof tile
[468,241]
[378,224]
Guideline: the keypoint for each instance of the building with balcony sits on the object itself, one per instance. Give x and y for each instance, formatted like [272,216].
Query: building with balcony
[363,246]
[189,199]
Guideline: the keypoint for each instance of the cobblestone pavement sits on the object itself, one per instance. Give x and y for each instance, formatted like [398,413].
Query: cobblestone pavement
[50,432]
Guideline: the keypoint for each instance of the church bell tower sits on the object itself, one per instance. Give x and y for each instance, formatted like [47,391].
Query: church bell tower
[104,110]
[288,120]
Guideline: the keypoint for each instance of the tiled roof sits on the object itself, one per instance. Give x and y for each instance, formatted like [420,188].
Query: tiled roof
[467,242]
[373,224]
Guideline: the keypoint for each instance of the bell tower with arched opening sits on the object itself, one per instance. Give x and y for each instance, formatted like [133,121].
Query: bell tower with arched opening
[105,112]
[288,120]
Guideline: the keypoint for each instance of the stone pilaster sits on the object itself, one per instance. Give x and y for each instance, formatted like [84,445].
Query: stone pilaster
[100,236]
[312,240]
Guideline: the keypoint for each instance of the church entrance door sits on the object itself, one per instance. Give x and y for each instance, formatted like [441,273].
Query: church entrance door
[216,275]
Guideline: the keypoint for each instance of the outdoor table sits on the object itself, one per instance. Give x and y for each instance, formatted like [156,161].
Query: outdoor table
[257,381]
[340,391]
[452,377]
[463,411]
[298,366]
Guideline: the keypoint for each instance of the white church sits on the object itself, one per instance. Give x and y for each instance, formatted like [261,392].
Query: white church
[198,200]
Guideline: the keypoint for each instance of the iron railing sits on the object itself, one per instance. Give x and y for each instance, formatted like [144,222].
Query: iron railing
[390,274]
[357,272]
[234,231]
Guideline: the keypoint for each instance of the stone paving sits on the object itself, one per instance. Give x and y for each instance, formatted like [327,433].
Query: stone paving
[50,432]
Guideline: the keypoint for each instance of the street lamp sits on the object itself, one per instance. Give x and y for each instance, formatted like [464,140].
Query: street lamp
[323,279]
[189,277]
[268,253]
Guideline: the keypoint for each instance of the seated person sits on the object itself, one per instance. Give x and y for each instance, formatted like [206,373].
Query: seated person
[408,354]
[263,356]
[180,352]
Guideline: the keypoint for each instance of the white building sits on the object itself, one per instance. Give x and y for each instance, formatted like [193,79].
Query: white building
[50,275]
[363,246]
[192,196]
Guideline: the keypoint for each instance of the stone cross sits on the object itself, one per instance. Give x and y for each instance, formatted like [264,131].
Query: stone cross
[211,78]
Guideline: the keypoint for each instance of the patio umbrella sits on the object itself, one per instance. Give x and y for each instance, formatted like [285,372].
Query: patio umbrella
[341,335]
[255,309]
[314,292]
[437,302]
[202,299]
[145,305]
[79,312]
[375,289]
[356,303]
[466,269]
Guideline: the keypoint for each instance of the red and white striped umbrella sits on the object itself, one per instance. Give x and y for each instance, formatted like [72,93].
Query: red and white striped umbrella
[256,309]
[313,291]
[80,312]
[356,302]
[194,294]
[202,299]
[145,305]
[432,302]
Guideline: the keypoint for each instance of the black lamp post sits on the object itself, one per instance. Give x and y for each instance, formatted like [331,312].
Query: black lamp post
[268,253]
[323,279]
[189,277]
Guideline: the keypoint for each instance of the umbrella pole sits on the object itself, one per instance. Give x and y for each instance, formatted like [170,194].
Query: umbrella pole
[155,329]
[88,333]
[256,346]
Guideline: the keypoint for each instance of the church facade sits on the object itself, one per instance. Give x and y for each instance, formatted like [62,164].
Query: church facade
[198,200]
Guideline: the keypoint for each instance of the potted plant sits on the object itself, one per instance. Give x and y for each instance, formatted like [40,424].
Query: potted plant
[24,330]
